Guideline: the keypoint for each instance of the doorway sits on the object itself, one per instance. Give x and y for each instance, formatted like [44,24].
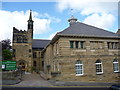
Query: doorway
[21,64]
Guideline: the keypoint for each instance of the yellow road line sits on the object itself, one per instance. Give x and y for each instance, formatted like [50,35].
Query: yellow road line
[52,86]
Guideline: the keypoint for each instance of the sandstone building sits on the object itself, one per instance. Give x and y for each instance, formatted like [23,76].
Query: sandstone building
[26,50]
[81,52]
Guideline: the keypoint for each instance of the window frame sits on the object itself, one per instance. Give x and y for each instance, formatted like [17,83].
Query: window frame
[57,48]
[81,69]
[71,44]
[76,44]
[82,44]
[115,61]
[112,45]
[34,54]
[98,62]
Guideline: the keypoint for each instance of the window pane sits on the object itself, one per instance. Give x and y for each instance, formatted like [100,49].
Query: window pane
[77,72]
[82,44]
[108,44]
[76,44]
[99,68]
[79,68]
[116,67]
[34,55]
[78,62]
[71,44]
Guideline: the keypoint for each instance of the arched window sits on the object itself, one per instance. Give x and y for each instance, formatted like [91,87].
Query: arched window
[79,68]
[99,67]
[116,65]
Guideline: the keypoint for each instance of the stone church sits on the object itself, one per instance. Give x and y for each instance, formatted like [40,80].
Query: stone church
[80,52]
[26,50]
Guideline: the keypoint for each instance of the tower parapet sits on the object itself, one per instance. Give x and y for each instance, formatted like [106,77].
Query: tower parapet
[19,36]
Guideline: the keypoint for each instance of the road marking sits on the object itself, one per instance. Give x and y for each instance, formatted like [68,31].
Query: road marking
[51,86]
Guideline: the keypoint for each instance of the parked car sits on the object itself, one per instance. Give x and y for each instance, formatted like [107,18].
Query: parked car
[115,87]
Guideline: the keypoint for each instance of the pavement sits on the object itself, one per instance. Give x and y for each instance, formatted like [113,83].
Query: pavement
[81,84]
[10,82]
[34,80]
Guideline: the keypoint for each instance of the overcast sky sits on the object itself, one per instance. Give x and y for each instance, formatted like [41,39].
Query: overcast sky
[51,16]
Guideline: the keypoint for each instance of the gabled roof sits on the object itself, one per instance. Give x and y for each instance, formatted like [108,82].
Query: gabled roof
[81,29]
[39,43]
[78,29]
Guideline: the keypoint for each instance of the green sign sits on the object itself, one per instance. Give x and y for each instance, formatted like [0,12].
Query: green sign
[9,65]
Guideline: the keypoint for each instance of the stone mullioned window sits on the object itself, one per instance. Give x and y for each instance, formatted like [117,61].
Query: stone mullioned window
[77,44]
[113,45]
[20,38]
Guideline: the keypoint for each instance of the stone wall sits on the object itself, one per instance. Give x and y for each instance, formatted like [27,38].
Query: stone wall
[38,59]
[63,59]
[22,54]
[23,50]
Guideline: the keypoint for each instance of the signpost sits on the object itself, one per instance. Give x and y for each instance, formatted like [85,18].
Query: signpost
[9,65]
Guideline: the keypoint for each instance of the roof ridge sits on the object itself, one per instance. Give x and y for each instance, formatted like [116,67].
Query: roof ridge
[97,30]
[97,27]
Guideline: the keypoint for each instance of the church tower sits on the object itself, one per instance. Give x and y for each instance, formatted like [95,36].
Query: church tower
[30,24]
[30,21]
[22,45]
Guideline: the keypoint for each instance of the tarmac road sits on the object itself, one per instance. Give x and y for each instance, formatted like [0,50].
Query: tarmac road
[31,80]
[35,82]
[54,87]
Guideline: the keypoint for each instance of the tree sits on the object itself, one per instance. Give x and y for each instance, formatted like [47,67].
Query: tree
[6,44]
[6,52]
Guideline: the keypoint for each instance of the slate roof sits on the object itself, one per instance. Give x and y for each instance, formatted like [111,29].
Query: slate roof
[76,29]
[40,43]
[81,29]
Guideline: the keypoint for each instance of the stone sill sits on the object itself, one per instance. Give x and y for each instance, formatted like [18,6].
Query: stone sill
[99,73]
